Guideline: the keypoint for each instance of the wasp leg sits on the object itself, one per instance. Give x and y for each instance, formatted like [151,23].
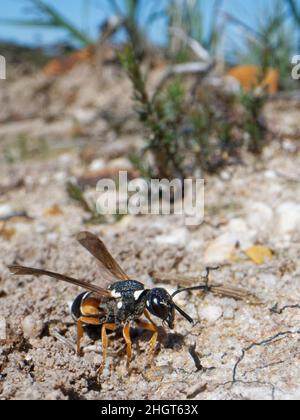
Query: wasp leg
[81,321]
[153,328]
[126,335]
[79,336]
[105,328]
[154,338]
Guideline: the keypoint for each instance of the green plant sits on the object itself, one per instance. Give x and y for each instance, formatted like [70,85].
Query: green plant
[186,133]
[253,124]
[134,19]
[271,44]
[158,119]
[50,19]
[189,17]
[76,194]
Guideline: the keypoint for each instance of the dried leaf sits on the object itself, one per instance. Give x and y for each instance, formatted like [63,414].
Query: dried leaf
[250,78]
[259,254]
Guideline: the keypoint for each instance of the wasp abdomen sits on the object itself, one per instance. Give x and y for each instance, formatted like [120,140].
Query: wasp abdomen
[76,305]
[87,305]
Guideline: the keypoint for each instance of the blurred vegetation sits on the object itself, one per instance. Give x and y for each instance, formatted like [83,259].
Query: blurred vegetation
[156,118]
[189,17]
[133,22]
[189,129]
[76,194]
[270,44]
[184,135]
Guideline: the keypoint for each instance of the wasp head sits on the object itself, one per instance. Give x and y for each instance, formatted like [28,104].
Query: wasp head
[160,304]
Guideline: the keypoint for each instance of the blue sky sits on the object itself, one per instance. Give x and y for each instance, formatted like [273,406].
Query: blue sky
[89,14]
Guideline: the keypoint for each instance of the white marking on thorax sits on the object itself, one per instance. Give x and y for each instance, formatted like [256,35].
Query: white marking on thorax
[115,294]
[138,294]
[120,305]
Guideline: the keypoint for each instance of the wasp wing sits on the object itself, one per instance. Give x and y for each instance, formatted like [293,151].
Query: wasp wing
[97,248]
[26,271]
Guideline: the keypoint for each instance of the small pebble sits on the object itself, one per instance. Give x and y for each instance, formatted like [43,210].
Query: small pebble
[228,313]
[5,210]
[178,237]
[269,280]
[288,218]
[32,328]
[211,313]
[97,165]
[260,216]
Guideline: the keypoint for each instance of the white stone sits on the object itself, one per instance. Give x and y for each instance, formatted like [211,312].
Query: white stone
[211,313]
[287,218]
[97,165]
[226,176]
[121,163]
[194,245]
[84,116]
[259,216]
[65,159]
[269,280]
[23,228]
[222,249]
[32,328]
[60,176]
[271,174]
[178,237]
[52,237]
[5,210]
[229,313]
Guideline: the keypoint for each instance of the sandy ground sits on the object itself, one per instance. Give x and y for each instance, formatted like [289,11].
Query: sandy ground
[241,351]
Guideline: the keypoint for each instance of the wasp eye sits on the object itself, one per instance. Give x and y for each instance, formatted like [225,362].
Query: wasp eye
[159,308]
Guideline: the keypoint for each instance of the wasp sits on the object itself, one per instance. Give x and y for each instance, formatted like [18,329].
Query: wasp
[123,303]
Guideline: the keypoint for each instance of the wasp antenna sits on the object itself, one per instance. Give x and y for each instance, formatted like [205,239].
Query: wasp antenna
[184,314]
[190,289]
[208,270]
[213,268]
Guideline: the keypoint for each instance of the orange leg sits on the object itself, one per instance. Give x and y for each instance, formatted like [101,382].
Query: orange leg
[80,322]
[154,338]
[153,328]
[105,328]
[126,335]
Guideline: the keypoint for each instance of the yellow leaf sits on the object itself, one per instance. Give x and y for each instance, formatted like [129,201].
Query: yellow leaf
[259,254]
